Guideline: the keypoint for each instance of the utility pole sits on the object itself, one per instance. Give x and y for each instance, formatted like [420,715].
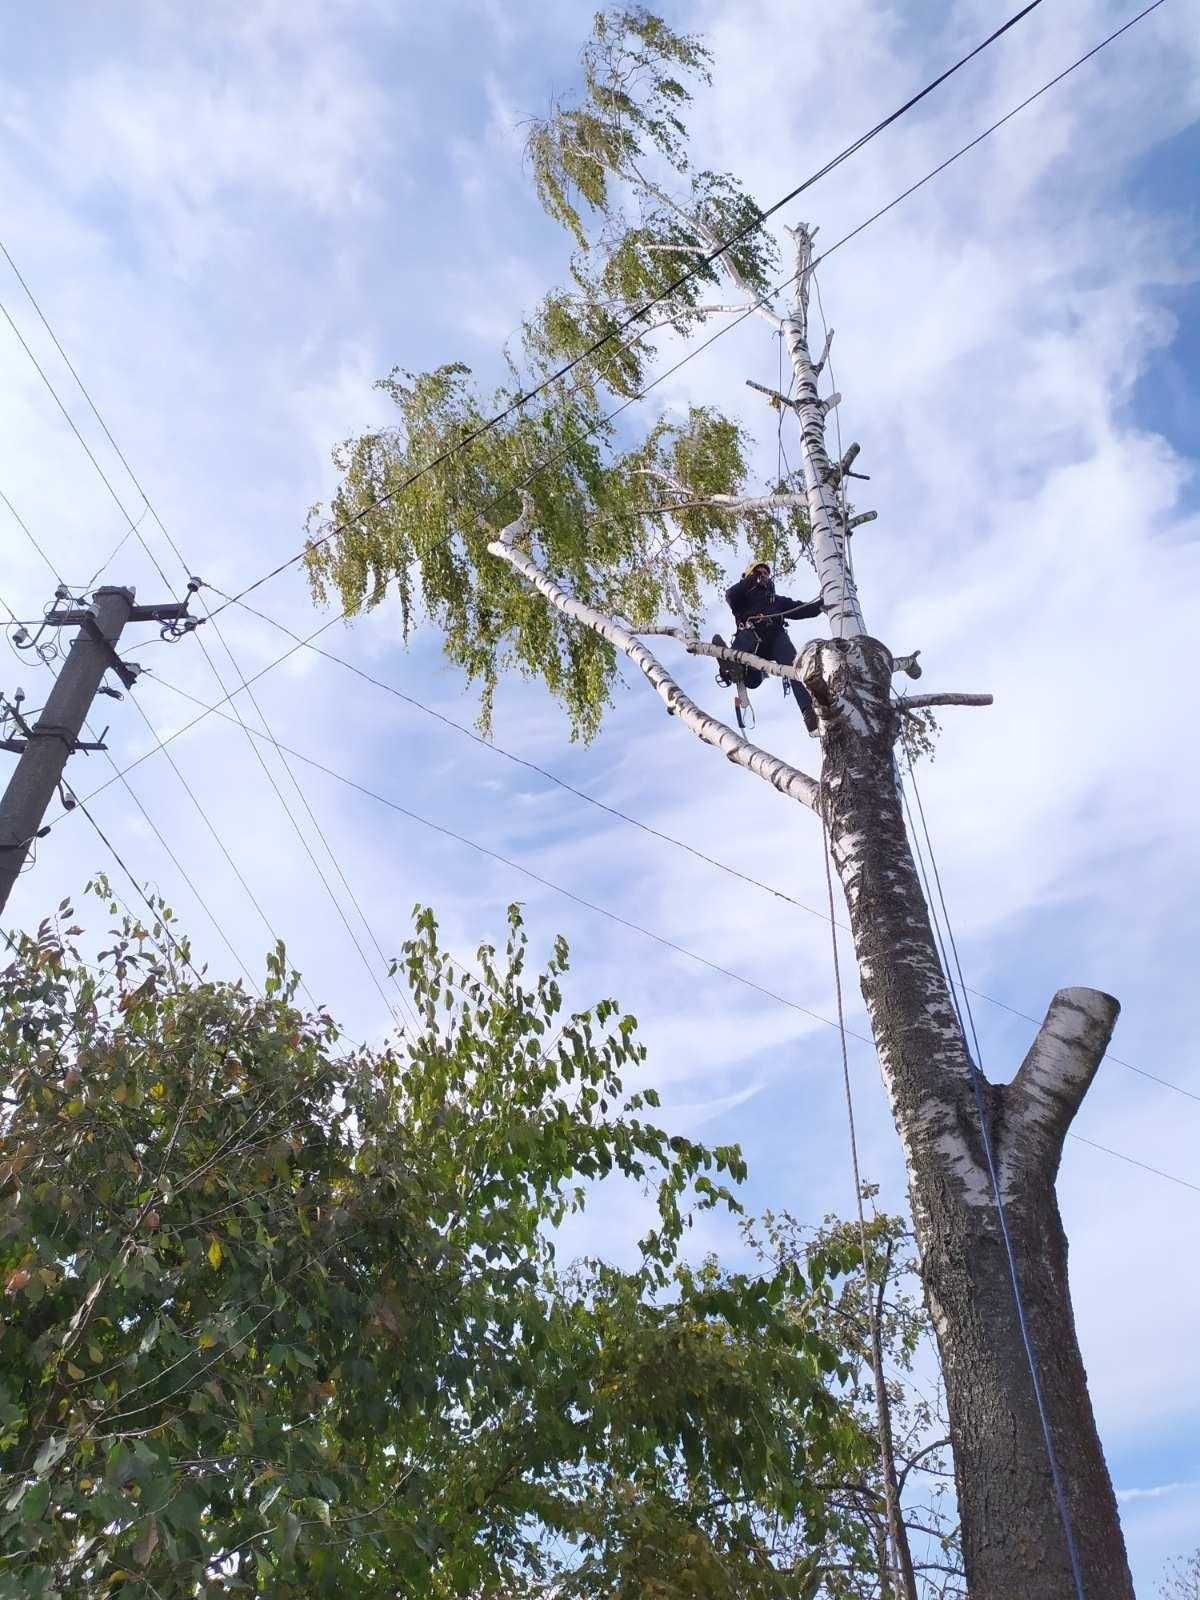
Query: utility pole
[45,744]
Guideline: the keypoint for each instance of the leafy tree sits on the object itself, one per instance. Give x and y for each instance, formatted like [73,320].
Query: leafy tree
[282,1315]
[886,1294]
[627,531]
[554,572]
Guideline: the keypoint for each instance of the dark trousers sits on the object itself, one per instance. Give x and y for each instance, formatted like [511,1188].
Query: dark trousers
[776,645]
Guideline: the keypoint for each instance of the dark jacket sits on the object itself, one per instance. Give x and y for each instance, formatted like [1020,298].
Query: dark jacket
[751,598]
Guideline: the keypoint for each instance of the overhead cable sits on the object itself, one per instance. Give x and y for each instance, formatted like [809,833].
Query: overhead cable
[632,821]
[566,893]
[494,421]
[134,529]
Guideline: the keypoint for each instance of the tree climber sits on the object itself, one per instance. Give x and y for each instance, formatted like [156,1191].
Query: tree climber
[762,617]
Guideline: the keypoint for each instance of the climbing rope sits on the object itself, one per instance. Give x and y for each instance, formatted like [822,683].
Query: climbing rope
[891,1506]
[894,1533]
[948,948]
[975,1061]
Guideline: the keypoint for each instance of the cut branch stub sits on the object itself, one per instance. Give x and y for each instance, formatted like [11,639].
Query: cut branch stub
[1041,1101]
[915,702]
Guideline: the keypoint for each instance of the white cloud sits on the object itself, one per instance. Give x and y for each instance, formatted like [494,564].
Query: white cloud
[1157,1491]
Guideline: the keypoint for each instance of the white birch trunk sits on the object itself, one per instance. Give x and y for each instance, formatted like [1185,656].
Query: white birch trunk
[824,514]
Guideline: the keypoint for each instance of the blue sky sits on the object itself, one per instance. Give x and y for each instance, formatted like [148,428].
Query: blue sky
[238,218]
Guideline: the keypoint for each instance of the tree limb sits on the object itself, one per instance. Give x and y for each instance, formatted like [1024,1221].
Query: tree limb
[1041,1101]
[913,702]
[720,652]
[928,1450]
[787,779]
[735,503]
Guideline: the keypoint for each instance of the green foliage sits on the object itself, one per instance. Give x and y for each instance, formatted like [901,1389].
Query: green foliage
[613,169]
[283,1317]
[919,734]
[631,104]
[601,528]
[832,1254]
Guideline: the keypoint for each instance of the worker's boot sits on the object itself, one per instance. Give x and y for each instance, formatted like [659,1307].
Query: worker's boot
[728,674]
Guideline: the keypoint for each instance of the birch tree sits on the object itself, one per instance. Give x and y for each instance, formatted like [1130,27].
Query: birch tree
[558,573]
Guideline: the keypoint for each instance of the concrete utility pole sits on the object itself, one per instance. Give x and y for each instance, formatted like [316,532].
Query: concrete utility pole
[47,742]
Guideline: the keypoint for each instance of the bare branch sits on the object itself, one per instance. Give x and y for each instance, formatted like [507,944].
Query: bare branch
[720,652]
[857,522]
[907,664]
[773,395]
[913,1461]
[787,779]
[913,702]
[818,366]
[842,469]
[733,503]
[718,502]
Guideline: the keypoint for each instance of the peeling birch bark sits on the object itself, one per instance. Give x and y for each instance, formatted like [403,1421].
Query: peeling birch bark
[779,774]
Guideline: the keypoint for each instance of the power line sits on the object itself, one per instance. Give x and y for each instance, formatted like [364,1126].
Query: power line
[121,776]
[632,821]
[980,137]
[134,529]
[623,324]
[153,909]
[528,872]
[1133,1162]
[560,889]
[25,529]
[200,899]
[749,310]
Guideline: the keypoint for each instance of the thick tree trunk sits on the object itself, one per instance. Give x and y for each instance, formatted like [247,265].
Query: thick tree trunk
[1014,1544]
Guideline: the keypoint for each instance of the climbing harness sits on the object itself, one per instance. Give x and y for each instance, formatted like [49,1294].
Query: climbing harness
[741,679]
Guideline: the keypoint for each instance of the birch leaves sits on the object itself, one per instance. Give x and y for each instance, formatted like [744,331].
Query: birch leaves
[621,517]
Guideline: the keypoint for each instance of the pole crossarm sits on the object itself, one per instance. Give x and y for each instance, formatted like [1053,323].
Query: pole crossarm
[48,743]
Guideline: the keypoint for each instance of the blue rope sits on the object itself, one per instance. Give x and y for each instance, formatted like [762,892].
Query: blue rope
[974,1057]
